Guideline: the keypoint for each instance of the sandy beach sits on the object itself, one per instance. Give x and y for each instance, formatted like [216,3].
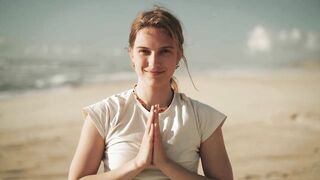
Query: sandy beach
[272,130]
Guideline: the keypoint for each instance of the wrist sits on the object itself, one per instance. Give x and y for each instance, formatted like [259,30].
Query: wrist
[138,164]
[166,163]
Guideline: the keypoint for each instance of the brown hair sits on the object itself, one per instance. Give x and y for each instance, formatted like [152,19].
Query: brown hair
[160,18]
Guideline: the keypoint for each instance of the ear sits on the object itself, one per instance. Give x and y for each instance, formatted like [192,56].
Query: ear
[130,53]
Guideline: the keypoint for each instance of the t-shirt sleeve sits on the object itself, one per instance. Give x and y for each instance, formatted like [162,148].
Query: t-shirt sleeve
[209,120]
[98,114]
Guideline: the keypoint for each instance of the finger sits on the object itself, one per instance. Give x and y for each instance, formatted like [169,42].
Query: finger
[150,120]
[157,125]
[156,133]
[151,133]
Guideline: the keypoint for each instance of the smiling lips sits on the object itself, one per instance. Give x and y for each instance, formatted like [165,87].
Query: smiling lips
[154,72]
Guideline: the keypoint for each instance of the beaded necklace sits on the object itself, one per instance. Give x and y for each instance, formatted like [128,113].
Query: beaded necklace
[160,109]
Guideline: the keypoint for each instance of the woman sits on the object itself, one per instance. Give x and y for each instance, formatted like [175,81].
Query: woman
[152,131]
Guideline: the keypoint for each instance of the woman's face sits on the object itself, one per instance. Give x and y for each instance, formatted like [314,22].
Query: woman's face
[154,56]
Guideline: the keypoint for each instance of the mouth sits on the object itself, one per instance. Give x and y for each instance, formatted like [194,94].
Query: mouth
[155,72]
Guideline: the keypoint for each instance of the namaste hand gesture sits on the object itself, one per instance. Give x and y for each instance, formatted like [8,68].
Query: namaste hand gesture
[151,151]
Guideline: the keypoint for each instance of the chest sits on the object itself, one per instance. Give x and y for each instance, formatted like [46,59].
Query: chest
[179,131]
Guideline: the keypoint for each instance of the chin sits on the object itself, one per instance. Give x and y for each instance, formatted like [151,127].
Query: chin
[157,82]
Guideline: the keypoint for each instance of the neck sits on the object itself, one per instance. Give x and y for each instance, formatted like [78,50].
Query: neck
[150,95]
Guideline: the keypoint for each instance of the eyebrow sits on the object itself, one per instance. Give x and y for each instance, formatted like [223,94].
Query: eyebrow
[164,47]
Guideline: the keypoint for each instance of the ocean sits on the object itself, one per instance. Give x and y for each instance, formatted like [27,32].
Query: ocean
[28,74]
[25,74]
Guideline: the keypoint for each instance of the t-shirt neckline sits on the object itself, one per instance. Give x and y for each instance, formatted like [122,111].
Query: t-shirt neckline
[145,111]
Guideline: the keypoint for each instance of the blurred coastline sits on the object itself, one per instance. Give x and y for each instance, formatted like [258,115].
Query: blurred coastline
[19,75]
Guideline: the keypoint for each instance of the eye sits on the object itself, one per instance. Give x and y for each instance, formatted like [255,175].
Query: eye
[144,51]
[165,51]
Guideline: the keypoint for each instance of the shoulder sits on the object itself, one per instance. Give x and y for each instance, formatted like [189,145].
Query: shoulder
[208,118]
[103,112]
[111,103]
[201,109]
[113,100]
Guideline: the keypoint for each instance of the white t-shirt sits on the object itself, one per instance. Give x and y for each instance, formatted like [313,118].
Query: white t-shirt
[121,120]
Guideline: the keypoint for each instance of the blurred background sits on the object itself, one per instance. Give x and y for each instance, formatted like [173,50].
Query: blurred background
[46,43]
[257,61]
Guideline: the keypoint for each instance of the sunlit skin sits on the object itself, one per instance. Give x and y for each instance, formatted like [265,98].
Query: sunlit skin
[154,57]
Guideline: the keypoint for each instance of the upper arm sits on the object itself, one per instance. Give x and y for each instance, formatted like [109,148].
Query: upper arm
[214,158]
[89,152]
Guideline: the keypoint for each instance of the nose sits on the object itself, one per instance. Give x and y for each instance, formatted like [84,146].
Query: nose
[154,60]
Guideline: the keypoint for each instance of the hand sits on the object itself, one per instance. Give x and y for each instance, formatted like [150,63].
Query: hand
[144,156]
[159,158]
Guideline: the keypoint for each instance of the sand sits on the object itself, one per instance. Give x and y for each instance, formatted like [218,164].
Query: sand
[272,130]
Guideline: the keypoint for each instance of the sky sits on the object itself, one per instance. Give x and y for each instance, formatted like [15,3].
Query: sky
[219,33]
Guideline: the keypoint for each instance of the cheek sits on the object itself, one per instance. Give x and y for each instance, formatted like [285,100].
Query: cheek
[139,61]
[172,65]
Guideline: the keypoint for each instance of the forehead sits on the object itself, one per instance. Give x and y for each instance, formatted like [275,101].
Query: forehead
[153,38]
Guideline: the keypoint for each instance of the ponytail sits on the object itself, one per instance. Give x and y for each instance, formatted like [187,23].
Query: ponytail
[174,84]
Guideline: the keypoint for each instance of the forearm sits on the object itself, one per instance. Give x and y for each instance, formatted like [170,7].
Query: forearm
[126,171]
[175,171]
